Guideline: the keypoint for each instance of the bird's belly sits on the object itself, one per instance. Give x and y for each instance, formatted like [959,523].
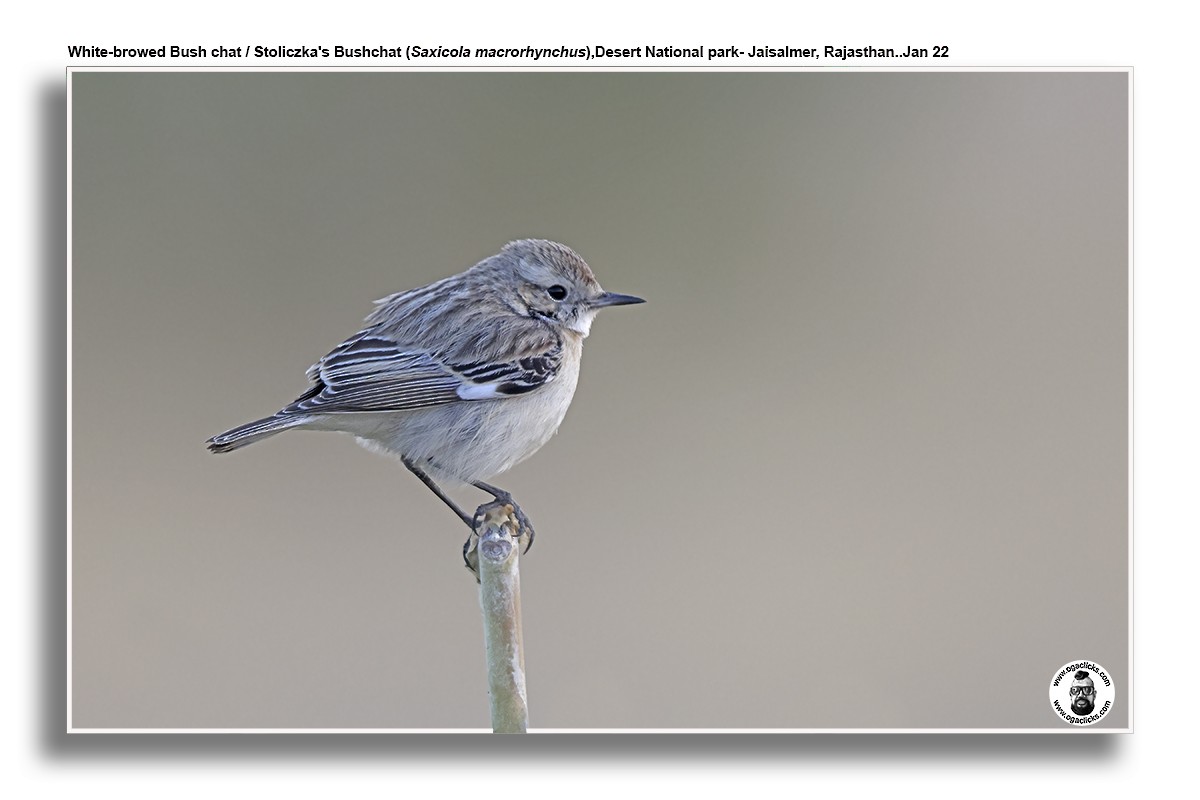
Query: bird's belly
[517,429]
[475,440]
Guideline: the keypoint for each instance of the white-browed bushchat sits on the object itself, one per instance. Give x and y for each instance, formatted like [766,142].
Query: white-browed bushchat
[461,379]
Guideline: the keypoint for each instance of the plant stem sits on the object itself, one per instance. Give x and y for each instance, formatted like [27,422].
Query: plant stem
[500,599]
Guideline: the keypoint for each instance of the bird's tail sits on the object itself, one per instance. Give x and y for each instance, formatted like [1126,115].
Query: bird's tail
[251,432]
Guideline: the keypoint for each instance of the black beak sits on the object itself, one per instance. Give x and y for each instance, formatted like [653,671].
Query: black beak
[614,299]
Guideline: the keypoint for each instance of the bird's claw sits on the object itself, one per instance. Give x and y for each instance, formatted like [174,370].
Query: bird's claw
[524,533]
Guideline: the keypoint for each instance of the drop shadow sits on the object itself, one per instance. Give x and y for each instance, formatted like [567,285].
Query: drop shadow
[58,745]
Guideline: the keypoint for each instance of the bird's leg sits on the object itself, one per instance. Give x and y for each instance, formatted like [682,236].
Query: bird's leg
[496,492]
[428,481]
[505,497]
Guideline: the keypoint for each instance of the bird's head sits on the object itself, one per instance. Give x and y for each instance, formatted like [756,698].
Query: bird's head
[553,283]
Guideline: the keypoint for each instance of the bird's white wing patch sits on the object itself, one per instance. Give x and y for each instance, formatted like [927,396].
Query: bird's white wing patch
[480,391]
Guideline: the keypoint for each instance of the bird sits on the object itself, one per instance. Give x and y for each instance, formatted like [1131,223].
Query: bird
[461,379]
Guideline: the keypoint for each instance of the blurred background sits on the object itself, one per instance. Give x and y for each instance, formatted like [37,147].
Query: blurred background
[860,461]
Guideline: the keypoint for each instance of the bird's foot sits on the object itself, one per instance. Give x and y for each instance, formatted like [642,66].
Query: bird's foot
[499,512]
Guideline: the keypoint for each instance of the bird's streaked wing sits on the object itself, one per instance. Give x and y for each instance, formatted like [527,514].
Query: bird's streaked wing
[372,373]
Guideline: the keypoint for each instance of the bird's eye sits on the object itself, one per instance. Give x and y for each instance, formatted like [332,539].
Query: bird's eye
[557,292]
